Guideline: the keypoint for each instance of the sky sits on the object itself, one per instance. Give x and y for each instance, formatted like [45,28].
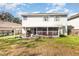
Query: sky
[17,9]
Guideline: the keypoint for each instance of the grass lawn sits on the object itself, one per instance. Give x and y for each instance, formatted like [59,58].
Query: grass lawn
[63,46]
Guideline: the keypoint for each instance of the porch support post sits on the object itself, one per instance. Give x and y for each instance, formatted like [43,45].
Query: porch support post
[24,32]
[33,31]
[14,32]
[47,31]
[58,31]
[65,30]
[36,30]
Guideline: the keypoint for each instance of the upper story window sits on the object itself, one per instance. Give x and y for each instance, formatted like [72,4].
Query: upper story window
[25,17]
[57,18]
[46,18]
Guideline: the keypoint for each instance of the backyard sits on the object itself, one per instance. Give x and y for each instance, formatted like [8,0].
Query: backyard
[63,46]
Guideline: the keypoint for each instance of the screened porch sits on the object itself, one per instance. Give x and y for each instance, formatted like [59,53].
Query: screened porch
[45,31]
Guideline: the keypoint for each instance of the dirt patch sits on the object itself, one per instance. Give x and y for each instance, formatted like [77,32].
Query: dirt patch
[44,50]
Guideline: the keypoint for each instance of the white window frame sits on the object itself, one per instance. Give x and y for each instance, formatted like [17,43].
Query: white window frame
[45,18]
[56,18]
[25,18]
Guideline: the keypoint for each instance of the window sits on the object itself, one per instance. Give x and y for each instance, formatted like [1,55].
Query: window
[25,17]
[56,18]
[46,18]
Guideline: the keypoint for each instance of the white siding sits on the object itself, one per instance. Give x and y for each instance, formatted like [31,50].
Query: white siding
[39,22]
[74,23]
[63,21]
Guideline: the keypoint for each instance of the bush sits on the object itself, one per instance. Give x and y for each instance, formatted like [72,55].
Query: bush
[62,35]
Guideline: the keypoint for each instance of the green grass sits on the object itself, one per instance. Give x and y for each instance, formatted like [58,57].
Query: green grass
[10,42]
[68,41]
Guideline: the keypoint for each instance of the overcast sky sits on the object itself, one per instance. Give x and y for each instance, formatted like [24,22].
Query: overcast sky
[18,8]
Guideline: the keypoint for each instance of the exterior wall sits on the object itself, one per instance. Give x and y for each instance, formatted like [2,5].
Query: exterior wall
[9,31]
[5,32]
[64,24]
[39,22]
[74,23]
[74,32]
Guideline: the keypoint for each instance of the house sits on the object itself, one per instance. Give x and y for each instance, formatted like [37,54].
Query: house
[46,24]
[9,28]
[74,22]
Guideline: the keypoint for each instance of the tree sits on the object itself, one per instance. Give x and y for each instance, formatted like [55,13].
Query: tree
[17,20]
[6,16]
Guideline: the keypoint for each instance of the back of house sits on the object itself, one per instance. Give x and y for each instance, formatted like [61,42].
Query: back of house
[44,24]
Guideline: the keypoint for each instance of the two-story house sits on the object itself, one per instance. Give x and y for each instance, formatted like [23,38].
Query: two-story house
[46,24]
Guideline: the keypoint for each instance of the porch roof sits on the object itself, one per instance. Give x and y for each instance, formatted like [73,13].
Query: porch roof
[42,26]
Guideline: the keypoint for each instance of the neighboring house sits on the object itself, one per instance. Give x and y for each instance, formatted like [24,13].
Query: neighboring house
[74,22]
[9,28]
[46,24]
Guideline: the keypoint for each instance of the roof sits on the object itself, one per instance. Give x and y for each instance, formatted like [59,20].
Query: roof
[5,25]
[44,14]
[73,16]
[9,24]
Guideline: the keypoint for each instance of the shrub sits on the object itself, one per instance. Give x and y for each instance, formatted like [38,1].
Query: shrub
[62,35]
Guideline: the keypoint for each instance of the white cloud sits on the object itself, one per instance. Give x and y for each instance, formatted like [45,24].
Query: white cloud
[19,13]
[59,4]
[9,6]
[66,11]
[51,10]
[29,3]
[36,12]
[47,8]
[54,10]
[59,7]
[18,9]
[23,4]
